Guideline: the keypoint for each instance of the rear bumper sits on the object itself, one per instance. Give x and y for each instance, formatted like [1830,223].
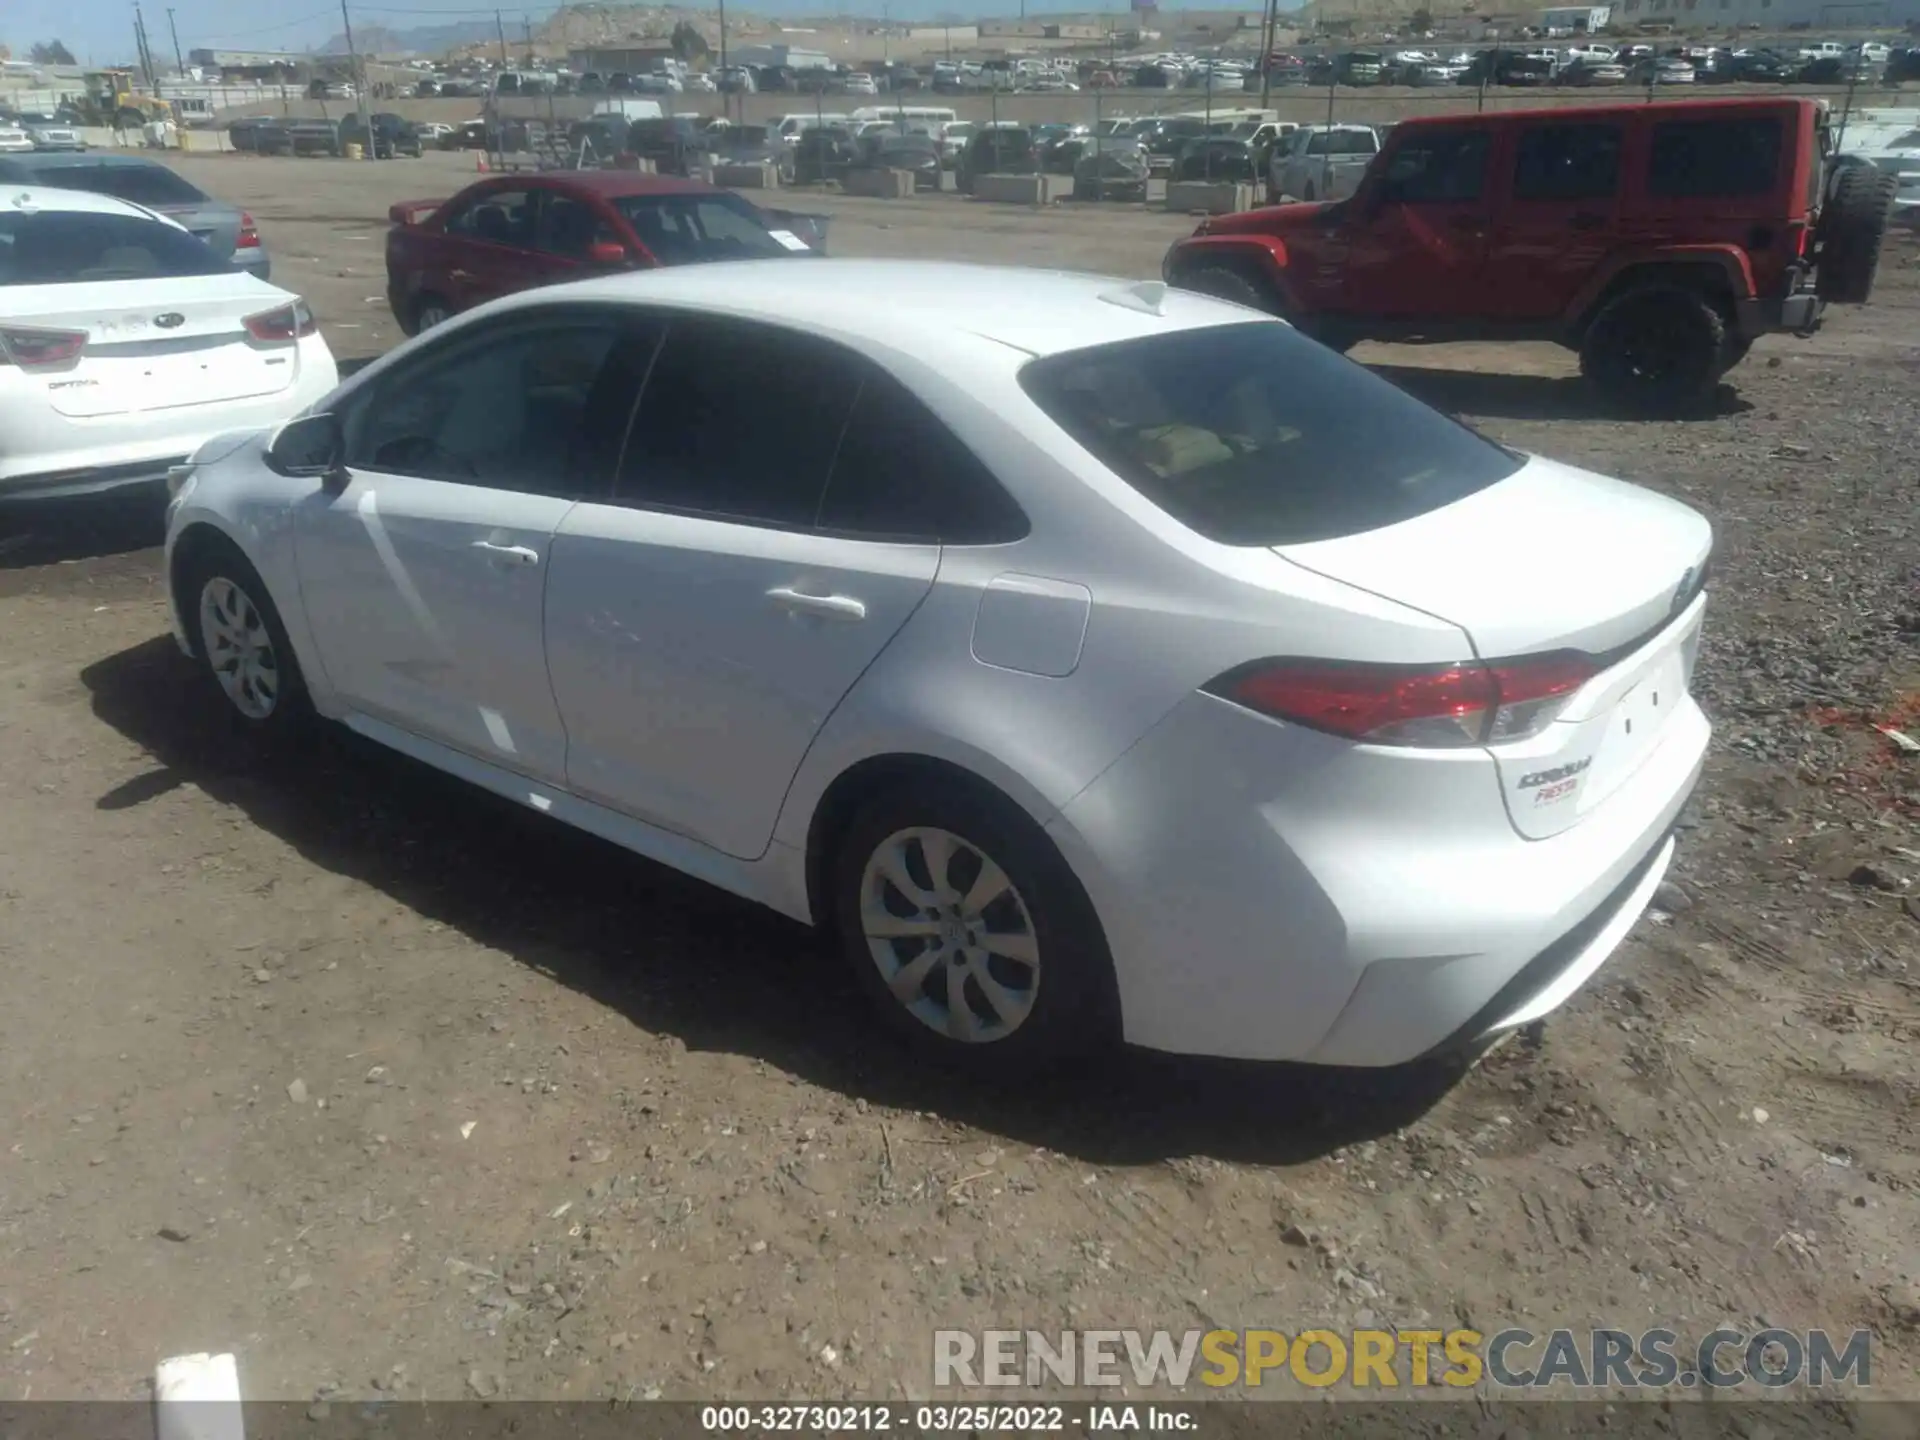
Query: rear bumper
[1271,893]
[1799,313]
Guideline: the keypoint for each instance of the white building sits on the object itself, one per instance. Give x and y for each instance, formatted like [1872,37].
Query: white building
[1576,19]
[790,56]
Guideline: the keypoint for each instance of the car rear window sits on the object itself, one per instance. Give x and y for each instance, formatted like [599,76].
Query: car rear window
[142,184]
[690,229]
[1715,158]
[1252,434]
[63,247]
[1343,142]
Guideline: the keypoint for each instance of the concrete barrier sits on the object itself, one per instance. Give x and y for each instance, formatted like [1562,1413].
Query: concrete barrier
[746,177]
[1022,189]
[879,184]
[1216,198]
[205,142]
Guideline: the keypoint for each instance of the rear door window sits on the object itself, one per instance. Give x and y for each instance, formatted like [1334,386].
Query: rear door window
[1567,162]
[58,247]
[502,217]
[1251,434]
[901,474]
[1714,158]
[739,422]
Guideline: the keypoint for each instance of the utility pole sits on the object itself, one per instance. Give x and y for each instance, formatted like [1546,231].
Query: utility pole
[500,31]
[359,80]
[179,62]
[1268,32]
[526,29]
[141,49]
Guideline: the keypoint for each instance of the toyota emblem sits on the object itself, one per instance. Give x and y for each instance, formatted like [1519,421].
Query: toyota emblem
[172,320]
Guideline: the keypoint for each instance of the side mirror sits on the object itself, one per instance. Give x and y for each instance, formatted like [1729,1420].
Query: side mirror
[607,252]
[310,447]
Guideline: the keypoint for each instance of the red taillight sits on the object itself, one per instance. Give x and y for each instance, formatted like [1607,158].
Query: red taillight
[289,322]
[40,347]
[1797,235]
[1456,705]
[249,234]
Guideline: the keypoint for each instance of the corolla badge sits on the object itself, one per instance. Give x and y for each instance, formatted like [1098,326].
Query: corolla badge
[173,320]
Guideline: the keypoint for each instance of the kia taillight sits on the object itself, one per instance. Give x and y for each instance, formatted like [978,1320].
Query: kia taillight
[289,322]
[249,234]
[24,347]
[1442,707]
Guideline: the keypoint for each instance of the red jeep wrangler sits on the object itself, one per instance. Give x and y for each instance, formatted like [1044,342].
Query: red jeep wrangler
[1657,240]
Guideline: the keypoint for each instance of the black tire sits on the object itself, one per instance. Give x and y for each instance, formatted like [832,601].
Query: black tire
[1309,195]
[1734,352]
[1656,349]
[217,562]
[1223,282]
[1071,1005]
[1853,223]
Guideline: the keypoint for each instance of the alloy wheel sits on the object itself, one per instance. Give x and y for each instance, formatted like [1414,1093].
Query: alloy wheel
[239,648]
[951,935]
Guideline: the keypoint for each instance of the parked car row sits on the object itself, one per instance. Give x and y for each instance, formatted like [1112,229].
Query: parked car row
[386,135]
[40,130]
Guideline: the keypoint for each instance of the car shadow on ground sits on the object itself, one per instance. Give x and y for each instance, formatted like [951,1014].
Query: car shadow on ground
[1480,395]
[678,957]
[55,531]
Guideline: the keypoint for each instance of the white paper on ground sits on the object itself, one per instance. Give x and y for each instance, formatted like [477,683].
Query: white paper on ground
[197,1397]
[789,239]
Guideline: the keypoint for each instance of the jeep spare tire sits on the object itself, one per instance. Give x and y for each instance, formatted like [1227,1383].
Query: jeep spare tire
[1852,225]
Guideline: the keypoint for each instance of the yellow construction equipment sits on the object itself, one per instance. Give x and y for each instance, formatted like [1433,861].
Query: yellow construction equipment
[111,100]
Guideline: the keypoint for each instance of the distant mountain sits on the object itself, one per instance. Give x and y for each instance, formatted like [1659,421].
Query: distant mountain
[422,39]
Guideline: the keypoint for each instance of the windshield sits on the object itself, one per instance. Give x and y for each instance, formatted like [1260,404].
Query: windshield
[142,184]
[1252,434]
[693,229]
[59,247]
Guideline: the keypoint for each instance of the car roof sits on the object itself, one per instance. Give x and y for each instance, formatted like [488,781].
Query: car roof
[1655,109]
[19,198]
[614,183]
[915,305]
[91,159]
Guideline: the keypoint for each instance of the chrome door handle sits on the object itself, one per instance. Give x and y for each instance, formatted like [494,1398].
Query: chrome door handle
[833,607]
[512,554]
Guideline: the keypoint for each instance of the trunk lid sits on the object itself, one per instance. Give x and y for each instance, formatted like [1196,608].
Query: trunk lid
[133,363]
[217,225]
[1553,559]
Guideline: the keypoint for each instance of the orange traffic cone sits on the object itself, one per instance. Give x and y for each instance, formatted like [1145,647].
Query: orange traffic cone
[480,163]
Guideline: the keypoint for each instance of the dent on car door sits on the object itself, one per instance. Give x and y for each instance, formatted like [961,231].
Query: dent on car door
[423,578]
[704,624]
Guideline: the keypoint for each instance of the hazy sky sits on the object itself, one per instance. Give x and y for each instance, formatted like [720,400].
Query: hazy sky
[101,31]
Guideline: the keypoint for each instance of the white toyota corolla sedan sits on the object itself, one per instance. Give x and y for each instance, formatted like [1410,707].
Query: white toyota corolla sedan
[125,343]
[1091,659]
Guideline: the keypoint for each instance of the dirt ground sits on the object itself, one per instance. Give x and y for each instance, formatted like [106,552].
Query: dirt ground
[395,1090]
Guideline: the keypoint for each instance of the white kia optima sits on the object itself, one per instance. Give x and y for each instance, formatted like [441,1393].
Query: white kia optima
[125,343]
[1091,659]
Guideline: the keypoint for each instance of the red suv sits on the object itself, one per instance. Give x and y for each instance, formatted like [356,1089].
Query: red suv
[1656,240]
